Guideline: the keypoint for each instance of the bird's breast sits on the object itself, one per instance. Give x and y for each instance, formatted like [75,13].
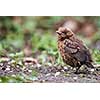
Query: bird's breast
[65,56]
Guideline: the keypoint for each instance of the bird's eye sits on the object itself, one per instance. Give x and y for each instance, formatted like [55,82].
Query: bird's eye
[69,34]
[64,33]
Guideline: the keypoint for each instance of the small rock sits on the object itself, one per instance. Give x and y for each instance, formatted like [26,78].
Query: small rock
[48,74]
[75,78]
[73,69]
[17,66]
[42,80]
[66,68]
[30,71]
[7,68]
[92,70]
[57,73]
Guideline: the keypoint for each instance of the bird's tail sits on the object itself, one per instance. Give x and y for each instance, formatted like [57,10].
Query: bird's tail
[89,65]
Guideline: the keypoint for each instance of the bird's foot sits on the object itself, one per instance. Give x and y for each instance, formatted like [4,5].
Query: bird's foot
[82,72]
[85,71]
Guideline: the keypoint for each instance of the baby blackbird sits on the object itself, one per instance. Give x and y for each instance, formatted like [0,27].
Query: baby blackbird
[72,50]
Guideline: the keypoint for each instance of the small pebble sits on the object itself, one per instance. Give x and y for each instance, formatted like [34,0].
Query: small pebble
[30,71]
[66,68]
[92,70]
[73,69]
[75,78]
[17,66]
[42,80]
[48,74]
[7,68]
[57,73]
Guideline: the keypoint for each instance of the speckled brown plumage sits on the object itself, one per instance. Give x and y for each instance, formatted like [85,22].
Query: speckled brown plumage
[72,50]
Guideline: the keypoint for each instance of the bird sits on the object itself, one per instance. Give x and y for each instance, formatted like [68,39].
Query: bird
[73,51]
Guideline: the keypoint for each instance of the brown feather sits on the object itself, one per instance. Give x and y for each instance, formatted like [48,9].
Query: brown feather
[72,50]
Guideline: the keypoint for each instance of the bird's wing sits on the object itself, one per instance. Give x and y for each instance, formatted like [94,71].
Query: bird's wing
[71,47]
[77,52]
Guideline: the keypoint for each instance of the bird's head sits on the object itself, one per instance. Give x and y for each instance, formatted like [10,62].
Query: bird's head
[64,32]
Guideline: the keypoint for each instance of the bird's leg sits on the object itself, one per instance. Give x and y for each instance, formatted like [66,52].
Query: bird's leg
[81,72]
[77,70]
[89,65]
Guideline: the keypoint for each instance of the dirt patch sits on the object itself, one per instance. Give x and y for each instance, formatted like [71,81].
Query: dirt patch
[47,74]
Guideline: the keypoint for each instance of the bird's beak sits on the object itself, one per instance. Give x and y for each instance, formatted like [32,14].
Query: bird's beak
[58,32]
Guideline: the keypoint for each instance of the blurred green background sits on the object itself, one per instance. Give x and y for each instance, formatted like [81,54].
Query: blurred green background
[36,34]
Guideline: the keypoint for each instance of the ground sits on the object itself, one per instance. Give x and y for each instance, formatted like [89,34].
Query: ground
[28,70]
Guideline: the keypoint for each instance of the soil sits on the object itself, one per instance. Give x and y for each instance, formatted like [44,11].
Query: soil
[50,74]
